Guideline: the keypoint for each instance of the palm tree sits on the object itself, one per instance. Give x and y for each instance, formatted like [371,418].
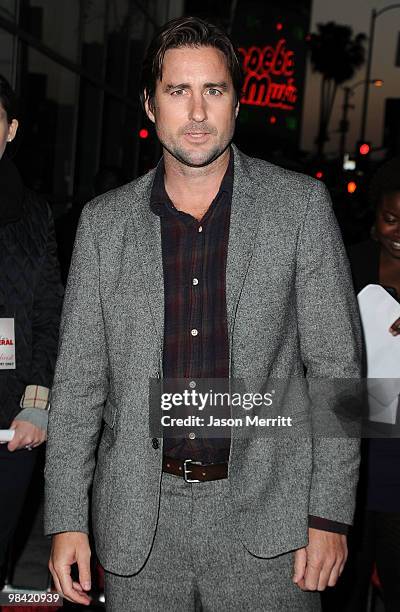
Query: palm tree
[336,55]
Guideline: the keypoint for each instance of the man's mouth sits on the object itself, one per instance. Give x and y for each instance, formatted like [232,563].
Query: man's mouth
[197,136]
[197,133]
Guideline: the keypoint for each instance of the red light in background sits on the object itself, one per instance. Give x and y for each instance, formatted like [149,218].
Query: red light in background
[279,27]
[364,149]
[272,120]
[319,175]
[143,133]
[351,187]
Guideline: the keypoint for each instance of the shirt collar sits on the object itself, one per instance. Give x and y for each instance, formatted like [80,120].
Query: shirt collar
[160,202]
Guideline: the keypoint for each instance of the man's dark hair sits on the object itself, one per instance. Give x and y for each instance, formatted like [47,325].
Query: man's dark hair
[386,180]
[8,99]
[186,32]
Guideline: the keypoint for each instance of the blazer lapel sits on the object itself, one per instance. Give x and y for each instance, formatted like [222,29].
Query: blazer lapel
[148,244]
[244,225]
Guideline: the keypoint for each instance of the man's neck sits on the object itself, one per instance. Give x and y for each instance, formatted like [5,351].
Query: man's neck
[193,189]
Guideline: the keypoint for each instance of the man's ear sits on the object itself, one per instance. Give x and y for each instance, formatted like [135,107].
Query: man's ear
[149,108]
[12,130]
[237,108]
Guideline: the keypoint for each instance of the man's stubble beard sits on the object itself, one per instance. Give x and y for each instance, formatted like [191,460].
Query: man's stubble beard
[184,157]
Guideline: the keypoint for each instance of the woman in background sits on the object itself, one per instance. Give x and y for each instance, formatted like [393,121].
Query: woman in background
[30,304]
[377,261]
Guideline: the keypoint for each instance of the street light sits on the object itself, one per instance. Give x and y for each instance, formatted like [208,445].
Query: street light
[374,16]
[344,123]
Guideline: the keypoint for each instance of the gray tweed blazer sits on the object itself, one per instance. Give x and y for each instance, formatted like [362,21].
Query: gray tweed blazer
[290,306]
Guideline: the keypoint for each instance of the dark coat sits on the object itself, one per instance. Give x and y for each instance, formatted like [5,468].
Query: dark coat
[30,288]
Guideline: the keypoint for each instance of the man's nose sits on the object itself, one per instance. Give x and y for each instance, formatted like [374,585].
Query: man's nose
[198,111]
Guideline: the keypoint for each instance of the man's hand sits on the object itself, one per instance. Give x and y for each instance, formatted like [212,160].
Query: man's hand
[320,564]
[26,434]
[395,328]
[69,548]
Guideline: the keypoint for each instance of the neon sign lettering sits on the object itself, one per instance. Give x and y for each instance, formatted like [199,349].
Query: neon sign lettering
[269,76]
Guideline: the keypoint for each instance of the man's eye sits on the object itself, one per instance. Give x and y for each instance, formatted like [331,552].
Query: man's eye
[177,92]
[389,220]
[214,92]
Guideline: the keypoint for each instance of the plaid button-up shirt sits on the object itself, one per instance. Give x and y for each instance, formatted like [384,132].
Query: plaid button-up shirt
[195,319]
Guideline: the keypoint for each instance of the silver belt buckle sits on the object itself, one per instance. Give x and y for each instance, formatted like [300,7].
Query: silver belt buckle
[186,470]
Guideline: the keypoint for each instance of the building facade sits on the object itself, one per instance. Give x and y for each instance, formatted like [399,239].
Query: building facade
[75,65]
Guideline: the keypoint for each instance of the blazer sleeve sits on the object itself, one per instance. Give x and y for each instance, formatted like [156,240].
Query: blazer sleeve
[79,390]
[330,344]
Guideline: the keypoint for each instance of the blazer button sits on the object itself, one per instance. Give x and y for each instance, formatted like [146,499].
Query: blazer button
[155,443]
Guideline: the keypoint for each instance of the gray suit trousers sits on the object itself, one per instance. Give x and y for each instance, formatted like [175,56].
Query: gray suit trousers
[198,563]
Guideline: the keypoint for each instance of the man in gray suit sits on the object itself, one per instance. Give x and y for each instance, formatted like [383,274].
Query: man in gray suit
[214,265]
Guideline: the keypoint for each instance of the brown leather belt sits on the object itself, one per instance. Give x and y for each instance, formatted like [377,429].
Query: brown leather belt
[194,471]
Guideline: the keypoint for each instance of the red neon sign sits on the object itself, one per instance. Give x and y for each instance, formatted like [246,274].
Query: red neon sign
[269,76]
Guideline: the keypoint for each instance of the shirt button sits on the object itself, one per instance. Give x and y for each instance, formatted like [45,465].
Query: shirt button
[155,443]
[194,332]
[195,281]
[200,228]
[192,435]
